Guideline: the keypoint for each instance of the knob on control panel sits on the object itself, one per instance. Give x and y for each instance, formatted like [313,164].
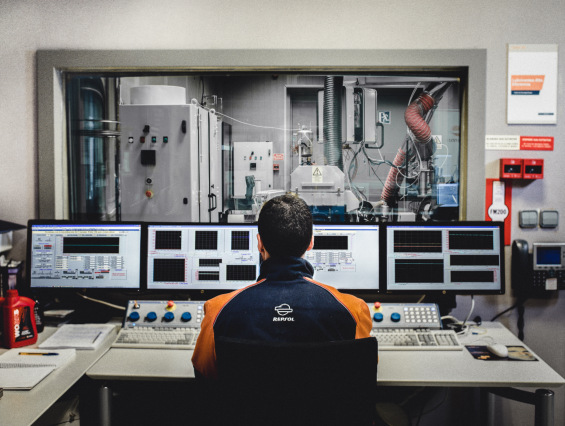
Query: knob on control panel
[151,316]
[186,317]
[378,316]
[168,317]
[395,317]
[134,316]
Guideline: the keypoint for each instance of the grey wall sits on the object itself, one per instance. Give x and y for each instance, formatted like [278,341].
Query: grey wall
[26,27]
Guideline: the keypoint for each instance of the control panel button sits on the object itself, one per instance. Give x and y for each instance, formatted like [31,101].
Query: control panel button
[378,317]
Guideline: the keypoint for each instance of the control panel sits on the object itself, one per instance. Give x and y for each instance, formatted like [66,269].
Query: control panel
[405,315]
[164,314]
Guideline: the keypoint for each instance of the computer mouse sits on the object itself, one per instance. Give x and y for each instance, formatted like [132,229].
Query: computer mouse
[498,349]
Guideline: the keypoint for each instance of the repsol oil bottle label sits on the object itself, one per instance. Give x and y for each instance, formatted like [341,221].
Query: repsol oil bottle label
[23,329]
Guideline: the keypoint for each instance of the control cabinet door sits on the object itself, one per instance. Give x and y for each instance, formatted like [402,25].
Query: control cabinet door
[159,162]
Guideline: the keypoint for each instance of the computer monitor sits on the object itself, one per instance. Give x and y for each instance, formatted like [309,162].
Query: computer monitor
[70,255]
[201,256]
[454,257]
[346,256]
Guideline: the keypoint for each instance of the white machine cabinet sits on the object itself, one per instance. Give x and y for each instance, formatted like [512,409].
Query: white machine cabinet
[170,163]
[252,159]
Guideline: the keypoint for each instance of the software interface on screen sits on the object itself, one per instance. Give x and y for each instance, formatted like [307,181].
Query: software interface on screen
[85,255]
[346,256]
[452,258]
[201,256]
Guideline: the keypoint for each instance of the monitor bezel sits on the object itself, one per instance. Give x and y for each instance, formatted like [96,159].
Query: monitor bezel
[362,292]
[96,291]
[396,291]
[200,293]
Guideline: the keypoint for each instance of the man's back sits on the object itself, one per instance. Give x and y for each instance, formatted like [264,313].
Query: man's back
[286,305]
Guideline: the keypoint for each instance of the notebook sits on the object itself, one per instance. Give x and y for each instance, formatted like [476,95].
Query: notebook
[23,368]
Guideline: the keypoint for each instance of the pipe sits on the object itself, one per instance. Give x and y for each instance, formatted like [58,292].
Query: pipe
[414,117]
[332,121]
[389,188]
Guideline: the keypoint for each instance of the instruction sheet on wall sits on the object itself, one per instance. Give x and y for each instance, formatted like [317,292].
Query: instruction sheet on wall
[532,84]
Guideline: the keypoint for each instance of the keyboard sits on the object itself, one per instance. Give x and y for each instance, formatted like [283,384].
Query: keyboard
[159,324]
[157,338]
[403,339]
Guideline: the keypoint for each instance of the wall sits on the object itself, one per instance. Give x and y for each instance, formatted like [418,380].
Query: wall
[26,26]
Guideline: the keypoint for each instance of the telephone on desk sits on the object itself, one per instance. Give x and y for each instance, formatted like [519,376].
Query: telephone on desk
[538,272]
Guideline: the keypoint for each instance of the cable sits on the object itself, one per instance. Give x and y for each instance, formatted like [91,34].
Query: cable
[518,302]
[122,308]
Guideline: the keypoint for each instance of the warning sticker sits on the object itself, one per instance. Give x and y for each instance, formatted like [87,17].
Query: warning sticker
[539,143]
[317,175]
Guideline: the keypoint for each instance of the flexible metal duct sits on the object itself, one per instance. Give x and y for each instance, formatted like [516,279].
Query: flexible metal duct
[389,188]
[414,117]
[332,121]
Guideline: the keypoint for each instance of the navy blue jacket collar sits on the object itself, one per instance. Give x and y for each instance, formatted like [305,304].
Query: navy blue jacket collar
[285,269]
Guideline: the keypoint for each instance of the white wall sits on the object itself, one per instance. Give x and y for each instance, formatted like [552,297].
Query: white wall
[26,26]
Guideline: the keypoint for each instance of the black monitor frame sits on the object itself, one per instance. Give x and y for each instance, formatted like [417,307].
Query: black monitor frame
[80,288]
[428,288]
[195,292]
[364,291]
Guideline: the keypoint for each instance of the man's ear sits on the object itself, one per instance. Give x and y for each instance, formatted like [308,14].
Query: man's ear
[261,248]
[311,244]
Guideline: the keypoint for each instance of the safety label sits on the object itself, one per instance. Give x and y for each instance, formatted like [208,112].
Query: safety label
[317,175]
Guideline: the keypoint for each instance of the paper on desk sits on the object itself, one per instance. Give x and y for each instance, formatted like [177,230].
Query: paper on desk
[22,372]
[79,336]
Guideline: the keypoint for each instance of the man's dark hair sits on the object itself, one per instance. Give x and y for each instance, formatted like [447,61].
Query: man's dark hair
[285,226]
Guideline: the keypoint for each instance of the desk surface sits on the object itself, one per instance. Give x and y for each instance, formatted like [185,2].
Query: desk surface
[396,368]
[23,407]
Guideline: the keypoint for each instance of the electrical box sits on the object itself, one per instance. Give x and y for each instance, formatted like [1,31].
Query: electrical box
[533,168]
[252,159]
[170,163]
[511,168]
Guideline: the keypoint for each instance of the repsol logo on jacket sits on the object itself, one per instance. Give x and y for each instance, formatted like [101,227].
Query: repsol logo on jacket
[283,310]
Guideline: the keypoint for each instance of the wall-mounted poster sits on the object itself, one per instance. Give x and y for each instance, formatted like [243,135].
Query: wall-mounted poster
[532,84]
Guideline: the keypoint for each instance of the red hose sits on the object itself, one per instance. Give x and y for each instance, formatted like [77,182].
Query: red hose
[414,117]
[389,188]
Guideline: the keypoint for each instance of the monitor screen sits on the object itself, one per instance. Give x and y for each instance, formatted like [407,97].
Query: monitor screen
[458,257]
[549,256]
[201,256]
[84,256]
[346,255]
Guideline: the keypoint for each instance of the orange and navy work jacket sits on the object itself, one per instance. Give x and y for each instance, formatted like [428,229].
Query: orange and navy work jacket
[284,305]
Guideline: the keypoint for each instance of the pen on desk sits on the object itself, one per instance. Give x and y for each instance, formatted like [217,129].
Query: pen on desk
[39,353]
[97,336]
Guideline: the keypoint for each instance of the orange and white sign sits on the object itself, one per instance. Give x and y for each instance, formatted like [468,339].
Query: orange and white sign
[532,84]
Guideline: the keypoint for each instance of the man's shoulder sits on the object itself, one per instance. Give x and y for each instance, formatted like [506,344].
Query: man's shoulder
[218,302]
[347,299]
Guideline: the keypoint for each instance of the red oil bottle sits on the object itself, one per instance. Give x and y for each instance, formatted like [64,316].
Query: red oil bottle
[19,320]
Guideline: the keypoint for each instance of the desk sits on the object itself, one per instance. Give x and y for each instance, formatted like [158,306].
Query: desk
[396,368]
[23,407]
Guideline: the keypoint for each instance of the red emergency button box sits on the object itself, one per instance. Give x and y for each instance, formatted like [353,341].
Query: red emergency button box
[511,168]
[533,168]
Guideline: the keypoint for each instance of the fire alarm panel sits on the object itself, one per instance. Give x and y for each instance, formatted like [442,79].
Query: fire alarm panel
[511,168]
[533,169]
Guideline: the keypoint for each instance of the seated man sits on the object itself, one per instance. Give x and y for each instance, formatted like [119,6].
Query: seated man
[285,304]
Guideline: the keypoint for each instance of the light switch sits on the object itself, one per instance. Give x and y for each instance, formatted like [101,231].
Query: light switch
[549,219]
[528,218]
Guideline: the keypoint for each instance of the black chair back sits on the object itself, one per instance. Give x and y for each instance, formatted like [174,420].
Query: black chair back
[272,383]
